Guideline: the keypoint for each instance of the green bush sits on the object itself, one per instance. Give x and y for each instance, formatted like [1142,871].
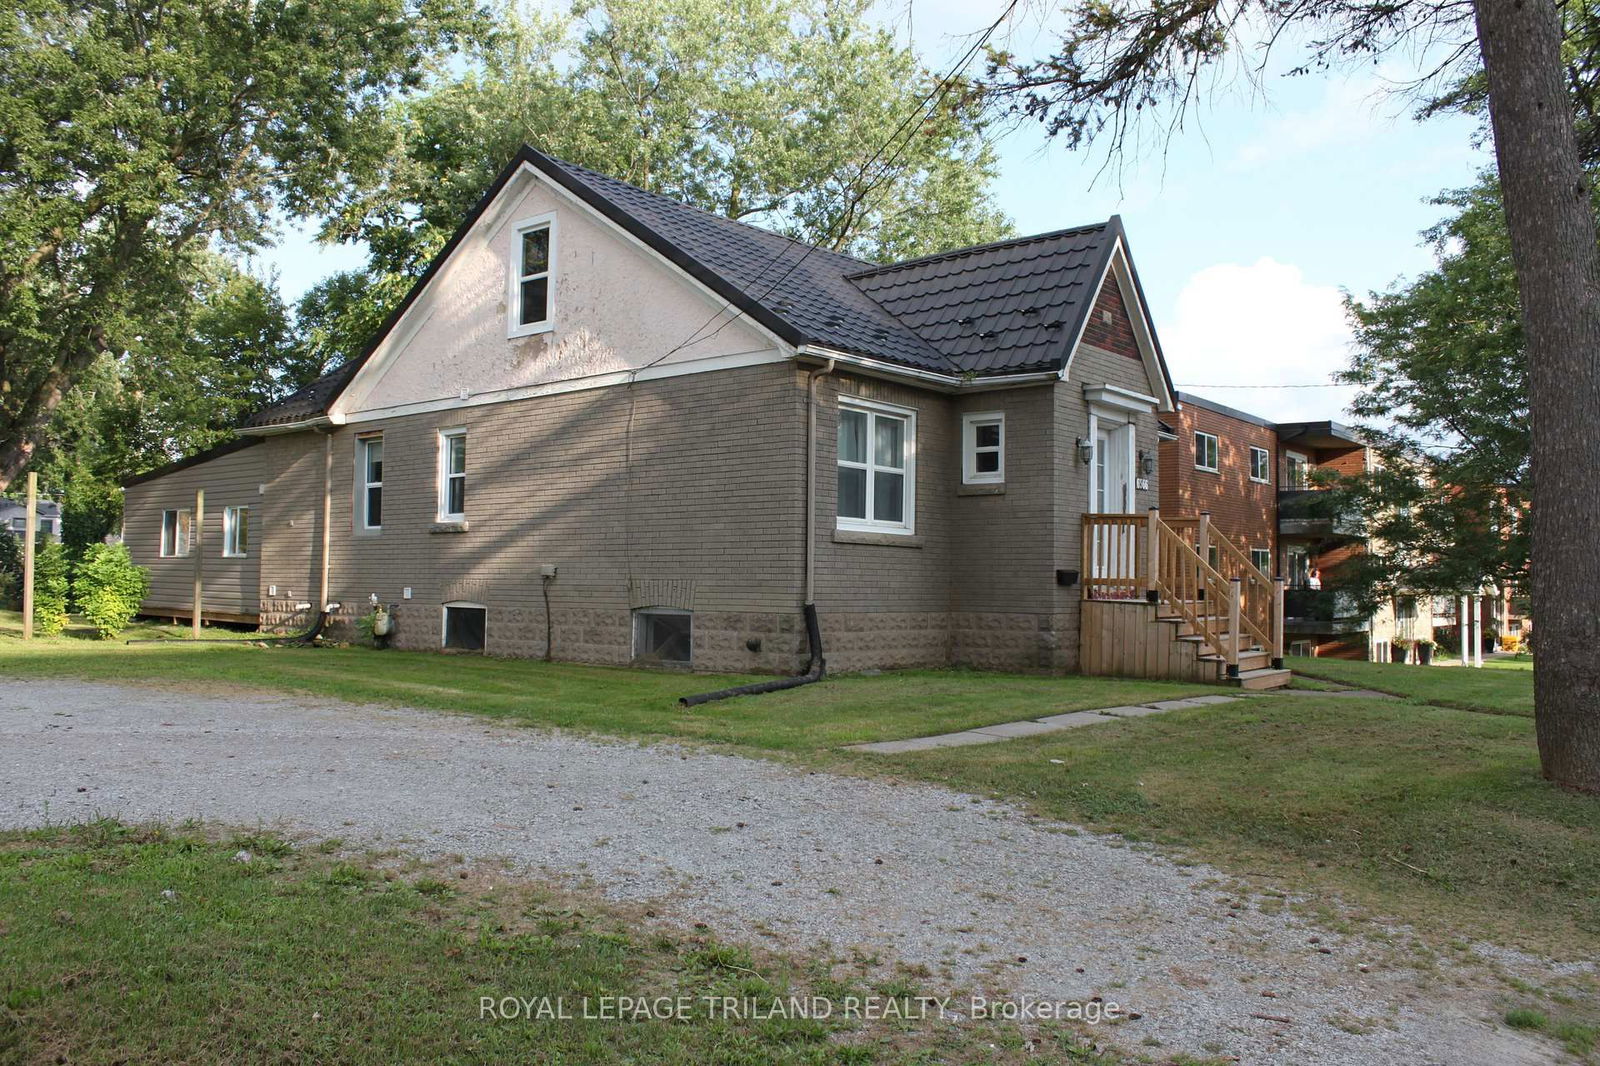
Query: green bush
[108,588]
[10,571]
[50,587]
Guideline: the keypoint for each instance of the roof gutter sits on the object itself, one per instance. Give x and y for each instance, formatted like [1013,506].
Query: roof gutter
[927,379]
[287,427]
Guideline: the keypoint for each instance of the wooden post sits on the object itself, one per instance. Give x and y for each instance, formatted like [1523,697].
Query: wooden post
[29,535]
[197,545]
[1152,575]
[1234,596]
[1277,622]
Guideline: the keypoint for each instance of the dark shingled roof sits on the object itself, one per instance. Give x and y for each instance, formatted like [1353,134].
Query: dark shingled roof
[999,308]
[1004,308]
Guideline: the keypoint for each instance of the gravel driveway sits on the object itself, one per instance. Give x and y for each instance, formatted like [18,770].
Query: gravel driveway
[967,887]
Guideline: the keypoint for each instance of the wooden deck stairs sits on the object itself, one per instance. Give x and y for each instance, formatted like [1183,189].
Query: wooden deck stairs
[1168,598]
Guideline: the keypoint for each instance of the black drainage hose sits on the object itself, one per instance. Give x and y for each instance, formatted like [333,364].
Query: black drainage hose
[815,671]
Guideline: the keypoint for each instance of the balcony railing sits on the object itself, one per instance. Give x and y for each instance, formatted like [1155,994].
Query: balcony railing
[1317,513]
[1307,610]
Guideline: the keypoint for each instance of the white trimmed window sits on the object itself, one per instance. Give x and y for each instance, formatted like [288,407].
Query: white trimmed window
[370,502]
[983,449]
[452,475]
[877,451]
[1261,559]
[1205,451]
[531,299]
[1260,464]
[177,533]
[235,532]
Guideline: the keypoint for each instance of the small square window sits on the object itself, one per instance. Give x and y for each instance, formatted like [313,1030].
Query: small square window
[1261,559]
[1259,464]
[1205,452]
[983,438]
[466,626]
[663,635]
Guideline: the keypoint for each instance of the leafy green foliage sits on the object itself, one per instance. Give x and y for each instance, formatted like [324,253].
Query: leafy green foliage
[10,571]
[1442,369]
[50,586]
[139,134]
[108,587]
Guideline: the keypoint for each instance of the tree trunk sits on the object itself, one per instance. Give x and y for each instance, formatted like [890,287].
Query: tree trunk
[1553,244]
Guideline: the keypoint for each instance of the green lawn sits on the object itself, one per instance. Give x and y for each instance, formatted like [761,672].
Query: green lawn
[142,945]
[1433,815]
[1499,691]
[621,702]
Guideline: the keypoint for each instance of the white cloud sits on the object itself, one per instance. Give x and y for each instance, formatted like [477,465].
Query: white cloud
[1260,325]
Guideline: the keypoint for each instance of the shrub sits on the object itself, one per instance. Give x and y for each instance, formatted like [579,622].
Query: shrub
[108,588]
[50,586]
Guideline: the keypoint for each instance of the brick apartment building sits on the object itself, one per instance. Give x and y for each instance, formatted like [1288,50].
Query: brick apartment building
[1262,484]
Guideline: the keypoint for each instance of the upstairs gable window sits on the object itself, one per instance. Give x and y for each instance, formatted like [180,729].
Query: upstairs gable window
[532,295]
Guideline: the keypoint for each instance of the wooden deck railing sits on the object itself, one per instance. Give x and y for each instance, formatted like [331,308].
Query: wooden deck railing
[1230,605]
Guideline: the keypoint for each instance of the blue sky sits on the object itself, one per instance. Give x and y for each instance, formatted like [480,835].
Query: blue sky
[1245,231]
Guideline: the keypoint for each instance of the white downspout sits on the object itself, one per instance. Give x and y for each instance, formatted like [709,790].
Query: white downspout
[811,478]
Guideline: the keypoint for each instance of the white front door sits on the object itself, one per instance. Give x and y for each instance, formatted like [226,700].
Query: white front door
[1112,490]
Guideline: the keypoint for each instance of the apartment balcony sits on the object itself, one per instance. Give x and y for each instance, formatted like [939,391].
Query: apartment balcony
[1322,611]
[1305,512]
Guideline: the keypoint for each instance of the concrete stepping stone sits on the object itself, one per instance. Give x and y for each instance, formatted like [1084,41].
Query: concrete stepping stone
[1201,701]
[1072,719]
[944,740]
[1007,730]
[1138,712]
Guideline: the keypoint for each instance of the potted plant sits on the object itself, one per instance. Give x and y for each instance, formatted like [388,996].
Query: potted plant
[1399,651]
[1425,652]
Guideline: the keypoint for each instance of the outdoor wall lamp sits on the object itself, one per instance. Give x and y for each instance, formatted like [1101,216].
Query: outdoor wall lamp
[1085,450]
[1147,463]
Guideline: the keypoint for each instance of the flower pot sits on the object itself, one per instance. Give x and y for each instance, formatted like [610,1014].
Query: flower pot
[1425,654]
[1397,654]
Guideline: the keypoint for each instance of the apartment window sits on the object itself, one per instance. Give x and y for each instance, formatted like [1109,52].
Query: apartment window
[983,444]
[453,475]
[235,532]
[1261,559]
[371,482]
[466,626]
[1303,649]
[532,285]
[1259,464]
[177,533]
[877,446]
[663,635]
[1205,451]
[19,525]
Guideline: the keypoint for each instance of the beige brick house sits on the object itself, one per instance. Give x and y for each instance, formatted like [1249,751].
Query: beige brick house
[676,430]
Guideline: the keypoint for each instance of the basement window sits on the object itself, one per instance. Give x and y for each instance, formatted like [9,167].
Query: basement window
[663,635]
[466,626]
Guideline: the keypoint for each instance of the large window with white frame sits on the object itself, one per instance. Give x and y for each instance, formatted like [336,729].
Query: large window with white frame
[370,474]
[1260,464]
[877,456]
[452,475]
[177,533]
[532,297]
[1205,451]
[235,532]
[983,449]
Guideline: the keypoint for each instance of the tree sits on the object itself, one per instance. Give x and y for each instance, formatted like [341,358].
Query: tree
[136,133]
[1122,58]
[770,111]
[197,368]
[1442,369]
